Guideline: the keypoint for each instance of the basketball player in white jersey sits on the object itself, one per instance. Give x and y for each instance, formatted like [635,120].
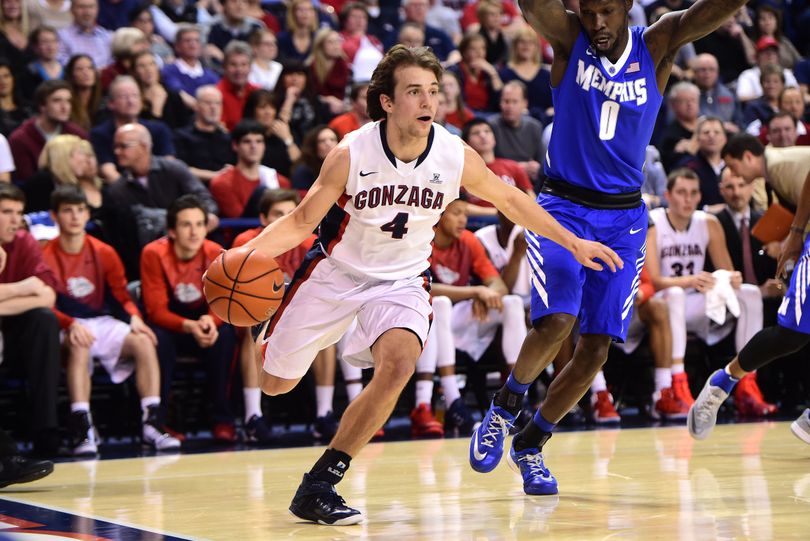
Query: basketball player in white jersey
[678,241]
[379,193]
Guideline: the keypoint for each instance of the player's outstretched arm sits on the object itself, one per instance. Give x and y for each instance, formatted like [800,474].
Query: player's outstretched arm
[288,232]
[521,209]
[678,28]
[550,19]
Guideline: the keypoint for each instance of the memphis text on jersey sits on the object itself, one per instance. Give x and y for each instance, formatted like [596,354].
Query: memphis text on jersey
[620,91]
[412,196]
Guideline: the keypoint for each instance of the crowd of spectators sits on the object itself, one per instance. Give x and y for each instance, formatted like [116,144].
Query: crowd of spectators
[171,116]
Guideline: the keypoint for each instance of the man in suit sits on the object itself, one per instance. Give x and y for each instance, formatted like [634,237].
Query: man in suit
[756,262]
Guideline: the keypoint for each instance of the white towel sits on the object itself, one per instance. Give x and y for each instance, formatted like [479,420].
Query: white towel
[721,297]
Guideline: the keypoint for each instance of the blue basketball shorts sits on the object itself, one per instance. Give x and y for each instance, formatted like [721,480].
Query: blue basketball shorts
[794,313]
[602,300]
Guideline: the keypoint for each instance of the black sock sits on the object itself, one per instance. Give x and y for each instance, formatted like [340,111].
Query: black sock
[531,436]
[331,467]
[508,400]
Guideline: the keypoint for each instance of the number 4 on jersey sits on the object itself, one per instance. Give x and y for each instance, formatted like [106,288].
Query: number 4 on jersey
[398,227]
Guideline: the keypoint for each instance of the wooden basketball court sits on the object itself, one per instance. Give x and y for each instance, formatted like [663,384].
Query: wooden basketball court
[748,481]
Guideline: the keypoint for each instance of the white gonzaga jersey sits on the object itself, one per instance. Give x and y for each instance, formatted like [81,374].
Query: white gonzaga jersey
[500,256]
[681,253]
[382,225]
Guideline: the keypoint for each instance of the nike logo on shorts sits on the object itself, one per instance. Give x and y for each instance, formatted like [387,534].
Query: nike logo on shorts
[634,231]
[367,173]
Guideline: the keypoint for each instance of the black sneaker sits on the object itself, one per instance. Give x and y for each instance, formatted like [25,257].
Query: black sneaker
[318,502]
[258,431]
[18,469]
[155,434]
[325,427]
[83,437]
[458,418]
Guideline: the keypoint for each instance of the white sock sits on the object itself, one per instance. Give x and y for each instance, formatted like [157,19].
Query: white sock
[79,406]
[424,392]
[450,388]
[676,368]
[323,398]
[663,378]
[146,403]
[599,384]
[352,390]
[253,402]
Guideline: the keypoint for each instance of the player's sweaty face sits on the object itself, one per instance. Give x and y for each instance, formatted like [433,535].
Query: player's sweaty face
[603,20]
[416,97]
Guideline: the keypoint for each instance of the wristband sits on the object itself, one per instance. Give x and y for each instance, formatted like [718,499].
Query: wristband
[795,229]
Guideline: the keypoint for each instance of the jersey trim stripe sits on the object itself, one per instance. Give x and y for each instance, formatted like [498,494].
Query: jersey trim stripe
[313,257]
[334,225]
[390,155]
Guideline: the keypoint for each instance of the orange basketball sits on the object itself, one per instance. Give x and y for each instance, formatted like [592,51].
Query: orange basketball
[243,286]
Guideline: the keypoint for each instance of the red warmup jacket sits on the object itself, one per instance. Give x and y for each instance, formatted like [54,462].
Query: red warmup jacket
[165,279]
[85,277]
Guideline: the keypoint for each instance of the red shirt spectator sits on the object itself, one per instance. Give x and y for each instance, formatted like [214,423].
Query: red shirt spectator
[168,282]
[232,189]
[476,91]
[464,258]
[24,259]
[86,277]
[233,101]
[510,172]
[27,142]
[345,123]
[335,82]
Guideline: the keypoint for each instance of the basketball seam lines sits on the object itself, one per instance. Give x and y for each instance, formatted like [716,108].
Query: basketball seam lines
[243,292]
[235,282]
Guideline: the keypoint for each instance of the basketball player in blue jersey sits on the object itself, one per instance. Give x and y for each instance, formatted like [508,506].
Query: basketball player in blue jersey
[607,80]
[380,193]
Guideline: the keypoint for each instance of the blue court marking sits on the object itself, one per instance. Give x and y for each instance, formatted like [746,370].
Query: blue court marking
[19,520]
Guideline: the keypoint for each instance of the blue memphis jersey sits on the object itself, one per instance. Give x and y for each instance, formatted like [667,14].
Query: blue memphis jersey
[604,121]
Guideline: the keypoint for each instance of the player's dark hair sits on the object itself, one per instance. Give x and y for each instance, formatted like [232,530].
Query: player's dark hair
[67,194]
[11,192]
[246,127]
[681,172]
[184,202]
[383,81]
[278,195]
[741,142]
[468,126]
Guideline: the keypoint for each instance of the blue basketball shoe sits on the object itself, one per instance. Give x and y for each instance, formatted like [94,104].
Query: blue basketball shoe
[486,444]
[537,480]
